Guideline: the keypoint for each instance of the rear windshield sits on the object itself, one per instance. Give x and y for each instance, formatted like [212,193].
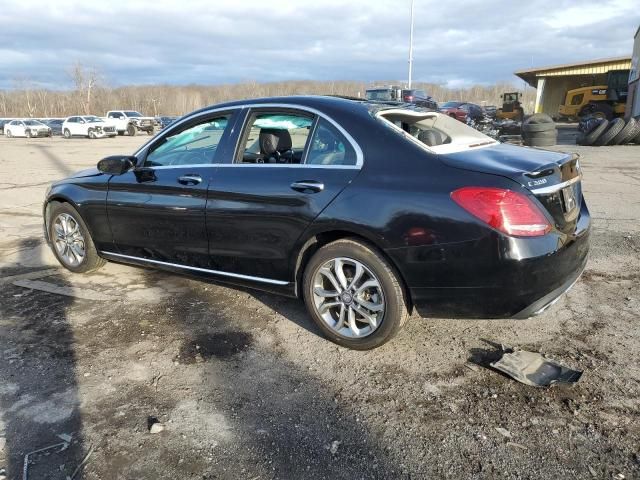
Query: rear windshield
[437,132]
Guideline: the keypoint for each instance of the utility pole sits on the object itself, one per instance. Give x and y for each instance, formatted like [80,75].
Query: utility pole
[411,47]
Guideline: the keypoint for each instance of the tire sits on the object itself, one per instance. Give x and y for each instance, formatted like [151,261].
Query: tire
[66,133]
[602,110]
[636,139]
[91,260]
[626,134]
[90,133]
[542,140]
[149,132]
[538,127]
[120,132]
[28,134]
[538,118]
[387,292]
[591,137]
[8,134]
[131,130]
[615,127]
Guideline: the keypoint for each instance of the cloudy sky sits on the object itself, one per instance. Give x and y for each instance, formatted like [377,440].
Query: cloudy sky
[215,41]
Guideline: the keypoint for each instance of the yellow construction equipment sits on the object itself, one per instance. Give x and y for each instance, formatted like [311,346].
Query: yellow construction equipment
[603,101]
[511,107]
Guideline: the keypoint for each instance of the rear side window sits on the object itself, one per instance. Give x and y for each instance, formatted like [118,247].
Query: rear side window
[330,147]
[275,137]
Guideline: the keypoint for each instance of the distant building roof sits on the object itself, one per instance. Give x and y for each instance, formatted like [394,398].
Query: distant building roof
[590,67]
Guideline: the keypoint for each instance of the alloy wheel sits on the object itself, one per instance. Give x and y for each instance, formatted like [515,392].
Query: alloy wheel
[69,242]
[348,297]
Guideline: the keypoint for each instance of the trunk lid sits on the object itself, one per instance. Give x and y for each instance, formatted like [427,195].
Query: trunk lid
[554,178]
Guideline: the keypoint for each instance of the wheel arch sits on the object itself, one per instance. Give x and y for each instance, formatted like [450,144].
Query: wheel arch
[59,198]
[318,239]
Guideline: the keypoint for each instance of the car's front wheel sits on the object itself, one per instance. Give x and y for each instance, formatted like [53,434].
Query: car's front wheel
[66,133]
[70,239]
[8,133]
[354,295]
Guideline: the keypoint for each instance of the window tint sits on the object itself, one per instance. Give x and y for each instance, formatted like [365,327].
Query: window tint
[278,137]
[193,146]
[577,99]
[330,147]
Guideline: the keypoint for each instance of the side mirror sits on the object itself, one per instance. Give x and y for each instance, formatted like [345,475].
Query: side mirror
[116,164]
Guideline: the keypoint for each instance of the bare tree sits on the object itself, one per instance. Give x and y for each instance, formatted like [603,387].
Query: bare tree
[85,81]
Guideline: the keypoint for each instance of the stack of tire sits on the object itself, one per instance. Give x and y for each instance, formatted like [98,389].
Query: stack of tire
[539,130]
[600,132]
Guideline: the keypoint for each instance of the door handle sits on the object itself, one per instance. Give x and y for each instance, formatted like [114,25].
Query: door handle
[190,179]
[308,186]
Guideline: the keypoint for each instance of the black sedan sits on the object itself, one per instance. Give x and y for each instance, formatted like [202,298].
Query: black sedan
[365,210]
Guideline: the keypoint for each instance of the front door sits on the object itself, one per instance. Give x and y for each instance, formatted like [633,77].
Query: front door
[157,210]
[287,168]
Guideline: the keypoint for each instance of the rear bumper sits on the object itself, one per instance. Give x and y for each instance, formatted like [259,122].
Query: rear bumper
[497,277]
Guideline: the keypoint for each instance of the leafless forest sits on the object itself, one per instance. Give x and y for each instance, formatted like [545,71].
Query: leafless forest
[90,95]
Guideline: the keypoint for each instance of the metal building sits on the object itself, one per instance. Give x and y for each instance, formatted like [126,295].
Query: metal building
[552,82]
[633,99]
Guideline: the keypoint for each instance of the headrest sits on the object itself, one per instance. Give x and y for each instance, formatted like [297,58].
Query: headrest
[274,140]
[430,137]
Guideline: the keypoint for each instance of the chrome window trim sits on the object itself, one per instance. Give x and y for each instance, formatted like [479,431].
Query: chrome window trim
[347,135]
[254,165]
[555,188]
[198,269]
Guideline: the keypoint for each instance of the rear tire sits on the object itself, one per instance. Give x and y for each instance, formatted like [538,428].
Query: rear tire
[369,306]
[66,133]
[70,239]
[626,134]
[8,133]
[615,127]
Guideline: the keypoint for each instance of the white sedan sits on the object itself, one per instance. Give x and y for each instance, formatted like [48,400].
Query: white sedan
[26,128]
[87,126]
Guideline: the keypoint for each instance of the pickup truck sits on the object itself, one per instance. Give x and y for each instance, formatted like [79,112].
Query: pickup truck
[130,122]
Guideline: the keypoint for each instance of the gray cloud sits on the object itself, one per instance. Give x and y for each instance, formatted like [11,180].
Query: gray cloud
[459,43]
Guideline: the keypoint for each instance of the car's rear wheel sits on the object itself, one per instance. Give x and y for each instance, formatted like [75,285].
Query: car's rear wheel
[8,133]
[66,133]
[354,295]
[70,239]
[29,134]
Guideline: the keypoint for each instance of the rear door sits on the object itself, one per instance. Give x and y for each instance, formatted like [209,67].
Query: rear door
[288,166]
[157,210]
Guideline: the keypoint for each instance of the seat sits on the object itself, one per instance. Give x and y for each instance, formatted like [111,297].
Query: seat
[273,143]
[431,137]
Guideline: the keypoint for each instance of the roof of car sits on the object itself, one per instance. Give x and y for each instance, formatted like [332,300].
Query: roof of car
[318,102]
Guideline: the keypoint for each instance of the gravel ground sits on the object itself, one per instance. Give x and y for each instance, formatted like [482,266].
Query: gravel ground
[245,387]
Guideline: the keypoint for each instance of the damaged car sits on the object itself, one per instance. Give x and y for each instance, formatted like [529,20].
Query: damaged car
[366,211]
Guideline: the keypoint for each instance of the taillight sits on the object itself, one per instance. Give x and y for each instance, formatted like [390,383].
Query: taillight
[510,212]
[408,98]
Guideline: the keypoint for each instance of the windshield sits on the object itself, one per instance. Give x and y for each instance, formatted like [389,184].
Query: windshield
[33,123]
[93,119]
[379,95]
[133,114]
[450,104]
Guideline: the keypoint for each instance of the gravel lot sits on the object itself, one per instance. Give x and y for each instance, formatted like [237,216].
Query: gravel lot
[246,388]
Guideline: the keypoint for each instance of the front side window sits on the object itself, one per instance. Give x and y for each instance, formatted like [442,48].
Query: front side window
[278,137]
[329,147]
[194,145]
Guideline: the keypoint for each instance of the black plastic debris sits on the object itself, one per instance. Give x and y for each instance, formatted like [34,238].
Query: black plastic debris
[535,369]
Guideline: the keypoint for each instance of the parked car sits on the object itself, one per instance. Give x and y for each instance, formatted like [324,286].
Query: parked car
[363,209]
[164,122]
[391,93]
[462,110]
[88,126]
[419,98]
[26,128]
[55,124]
[490,110]
[130,122]
[3,122]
